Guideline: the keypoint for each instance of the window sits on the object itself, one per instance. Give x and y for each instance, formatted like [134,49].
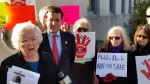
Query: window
[93,6]
[129,6]
[112,6]
[123,7]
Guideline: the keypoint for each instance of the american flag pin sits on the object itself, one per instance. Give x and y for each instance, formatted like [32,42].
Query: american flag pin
[66,42]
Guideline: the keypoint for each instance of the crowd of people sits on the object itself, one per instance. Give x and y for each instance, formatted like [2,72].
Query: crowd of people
[48,48]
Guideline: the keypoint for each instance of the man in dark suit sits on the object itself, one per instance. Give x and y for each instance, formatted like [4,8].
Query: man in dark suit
[65,41]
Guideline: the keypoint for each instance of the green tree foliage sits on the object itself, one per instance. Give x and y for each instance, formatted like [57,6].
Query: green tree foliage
[138,14]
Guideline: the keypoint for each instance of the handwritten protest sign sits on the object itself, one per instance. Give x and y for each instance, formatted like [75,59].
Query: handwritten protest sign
[143,68]
[85,46]
[71,13]
[2,14]
[115,63]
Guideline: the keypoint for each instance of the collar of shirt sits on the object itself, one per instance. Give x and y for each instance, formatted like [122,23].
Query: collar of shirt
[50,34]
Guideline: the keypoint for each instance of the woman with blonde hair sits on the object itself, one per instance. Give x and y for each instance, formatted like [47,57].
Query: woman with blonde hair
[140,47]
[116,41]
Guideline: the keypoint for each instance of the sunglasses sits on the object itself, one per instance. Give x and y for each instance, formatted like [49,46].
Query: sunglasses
[144,37]
[80,29]
[147,16]
[114,37]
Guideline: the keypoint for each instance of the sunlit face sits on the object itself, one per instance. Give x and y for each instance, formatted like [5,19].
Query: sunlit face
[141,38]
[28,43]
[148,16]
[115,38]
[53,22]
[83,27]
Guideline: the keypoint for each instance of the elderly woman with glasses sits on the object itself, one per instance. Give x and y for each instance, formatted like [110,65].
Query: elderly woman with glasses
[82,25]
[141,46]
[116,41]
[83,72]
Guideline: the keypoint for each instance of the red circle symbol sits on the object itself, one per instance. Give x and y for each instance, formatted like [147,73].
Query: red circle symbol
[80,50]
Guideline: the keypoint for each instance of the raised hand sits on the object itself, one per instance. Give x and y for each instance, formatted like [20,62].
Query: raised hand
[41,25]
[65,27]
[81,46]
[146,73]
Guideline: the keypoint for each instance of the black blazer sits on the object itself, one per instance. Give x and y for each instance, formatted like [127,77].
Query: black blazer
[47,67]
[68,50]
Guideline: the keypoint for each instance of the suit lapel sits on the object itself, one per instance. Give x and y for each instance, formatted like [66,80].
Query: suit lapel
[46,43]
[63,40]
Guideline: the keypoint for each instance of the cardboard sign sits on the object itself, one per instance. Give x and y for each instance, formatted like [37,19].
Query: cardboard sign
[71,13]
[18,14]
[115,63]
[85,46]
[143,68]
[2,14]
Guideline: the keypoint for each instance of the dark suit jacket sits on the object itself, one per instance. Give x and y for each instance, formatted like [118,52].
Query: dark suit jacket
[47,67]
[68,51]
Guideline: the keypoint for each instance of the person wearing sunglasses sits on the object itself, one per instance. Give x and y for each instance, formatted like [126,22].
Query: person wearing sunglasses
[82,25]
[84,71]
[148,15]
[116,41]
[141,46]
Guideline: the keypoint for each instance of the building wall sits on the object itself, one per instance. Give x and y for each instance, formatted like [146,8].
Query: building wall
[101,18]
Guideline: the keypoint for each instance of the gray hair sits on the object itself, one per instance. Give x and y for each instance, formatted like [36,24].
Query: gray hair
[79,21]
[18,28]
[125,38]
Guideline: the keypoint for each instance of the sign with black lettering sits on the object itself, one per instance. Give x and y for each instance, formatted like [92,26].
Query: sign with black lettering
[115,63]
[143,69]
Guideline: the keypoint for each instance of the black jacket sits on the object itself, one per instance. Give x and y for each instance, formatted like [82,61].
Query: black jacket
[138,51]
[68,51]
[120,80]
[47,67]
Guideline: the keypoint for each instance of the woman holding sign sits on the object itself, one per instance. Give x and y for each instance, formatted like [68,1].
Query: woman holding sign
[116,41]
[83,72]
[141,46]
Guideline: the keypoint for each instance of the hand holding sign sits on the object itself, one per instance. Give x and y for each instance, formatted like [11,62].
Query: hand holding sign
[109,78]
[81,47]
[147,74]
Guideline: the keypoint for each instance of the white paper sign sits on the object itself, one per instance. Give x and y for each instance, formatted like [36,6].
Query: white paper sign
[85,46]
[26,76]
[115,63]
[143,69]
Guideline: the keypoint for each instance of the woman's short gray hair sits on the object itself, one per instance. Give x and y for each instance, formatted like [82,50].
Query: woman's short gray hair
[18,28]
[79,21]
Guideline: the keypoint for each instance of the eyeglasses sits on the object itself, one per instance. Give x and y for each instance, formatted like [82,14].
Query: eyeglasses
[80,29]
[147,16]
[144,37]
[114,37]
